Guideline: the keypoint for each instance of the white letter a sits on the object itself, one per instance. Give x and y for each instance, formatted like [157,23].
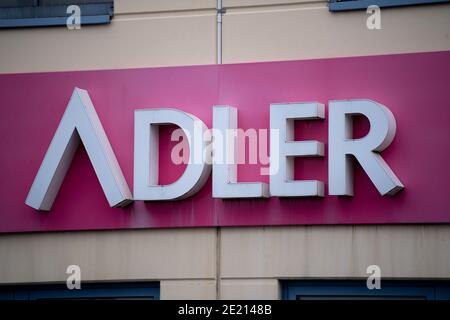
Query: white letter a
[79,123]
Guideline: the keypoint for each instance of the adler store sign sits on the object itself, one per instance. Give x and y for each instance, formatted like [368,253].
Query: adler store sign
[330,141]
[81,123]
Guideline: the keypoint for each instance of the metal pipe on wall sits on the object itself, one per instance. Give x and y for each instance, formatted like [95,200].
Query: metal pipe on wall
[219,31]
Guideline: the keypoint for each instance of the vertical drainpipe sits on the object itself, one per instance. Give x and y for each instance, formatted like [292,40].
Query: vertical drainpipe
[220,11]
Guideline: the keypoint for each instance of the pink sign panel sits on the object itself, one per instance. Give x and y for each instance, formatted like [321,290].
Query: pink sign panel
[415,87]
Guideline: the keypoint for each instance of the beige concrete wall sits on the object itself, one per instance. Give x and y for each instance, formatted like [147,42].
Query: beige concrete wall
[167,33]
[414,251]
[188,289]
[306,29]
[207,263]
[109,255]
[245,263]
[250,289]
[136,37]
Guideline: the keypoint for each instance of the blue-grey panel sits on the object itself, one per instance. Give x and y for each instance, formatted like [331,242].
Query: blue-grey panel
[97,293]
[47,22]
[6,294]
[443,293]
[363,4]
[133,290]
[54,15]
[357,289]
[42,11]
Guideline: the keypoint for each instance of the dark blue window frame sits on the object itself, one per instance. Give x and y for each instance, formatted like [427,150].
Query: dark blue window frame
[128,290]
[357,289]
[344,5]
[38,13]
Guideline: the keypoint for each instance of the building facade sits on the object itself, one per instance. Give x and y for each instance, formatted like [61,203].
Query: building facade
[227,262]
